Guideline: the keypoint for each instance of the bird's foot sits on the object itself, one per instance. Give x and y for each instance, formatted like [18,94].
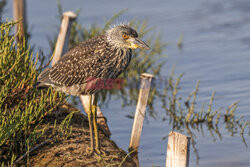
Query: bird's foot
[89,151]
[100,152]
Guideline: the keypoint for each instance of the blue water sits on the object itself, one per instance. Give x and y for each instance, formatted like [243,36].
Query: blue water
[216,51]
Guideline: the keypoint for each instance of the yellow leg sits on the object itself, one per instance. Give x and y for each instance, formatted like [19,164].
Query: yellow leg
[90,118]
[94,111]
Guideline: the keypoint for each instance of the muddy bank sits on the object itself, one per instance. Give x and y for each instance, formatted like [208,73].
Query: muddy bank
[72,150]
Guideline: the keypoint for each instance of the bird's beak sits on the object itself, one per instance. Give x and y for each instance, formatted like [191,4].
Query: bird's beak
[137,43]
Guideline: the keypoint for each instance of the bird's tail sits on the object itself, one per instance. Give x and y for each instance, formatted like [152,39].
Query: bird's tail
[43,80]
[40,85]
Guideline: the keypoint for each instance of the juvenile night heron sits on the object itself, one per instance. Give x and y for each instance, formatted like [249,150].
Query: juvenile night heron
[103,57]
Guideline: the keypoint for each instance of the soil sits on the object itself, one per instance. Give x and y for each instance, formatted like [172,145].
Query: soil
[71,151]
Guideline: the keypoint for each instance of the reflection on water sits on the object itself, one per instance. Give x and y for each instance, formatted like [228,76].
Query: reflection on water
[215,50]
[187,118]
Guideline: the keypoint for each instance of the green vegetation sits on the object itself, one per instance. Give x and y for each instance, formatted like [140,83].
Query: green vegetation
[183,115]
[22,107]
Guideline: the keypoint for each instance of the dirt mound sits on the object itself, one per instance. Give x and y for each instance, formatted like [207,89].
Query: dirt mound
[72,151]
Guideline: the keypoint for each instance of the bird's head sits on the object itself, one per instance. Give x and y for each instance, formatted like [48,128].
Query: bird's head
[123,36]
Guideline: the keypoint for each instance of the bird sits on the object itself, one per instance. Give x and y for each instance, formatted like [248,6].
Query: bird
[102,57]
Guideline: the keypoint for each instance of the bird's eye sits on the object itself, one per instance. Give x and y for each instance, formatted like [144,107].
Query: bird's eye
[125,36]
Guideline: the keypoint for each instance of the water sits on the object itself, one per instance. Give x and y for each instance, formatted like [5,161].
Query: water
[216,48]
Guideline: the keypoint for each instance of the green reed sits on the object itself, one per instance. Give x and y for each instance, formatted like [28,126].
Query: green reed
[184,116]
[22,107]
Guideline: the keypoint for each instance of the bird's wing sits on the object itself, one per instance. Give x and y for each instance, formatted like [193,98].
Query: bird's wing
[79,64]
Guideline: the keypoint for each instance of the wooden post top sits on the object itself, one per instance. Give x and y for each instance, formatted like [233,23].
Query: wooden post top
[147,75]
[177,133]
[177,150]
[70,14]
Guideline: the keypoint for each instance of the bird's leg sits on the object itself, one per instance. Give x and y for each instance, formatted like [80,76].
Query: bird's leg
[90,118]
[94,110]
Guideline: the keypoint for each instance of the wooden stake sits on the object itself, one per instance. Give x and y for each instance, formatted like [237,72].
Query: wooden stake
[140,110]
[19,14]
[63,37]
[178,150]
[135,158]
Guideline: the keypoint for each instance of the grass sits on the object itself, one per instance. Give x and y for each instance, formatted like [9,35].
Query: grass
[25,112]
[22,107]
[185,116]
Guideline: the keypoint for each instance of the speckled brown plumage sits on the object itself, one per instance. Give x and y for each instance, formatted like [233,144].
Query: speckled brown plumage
[102,57]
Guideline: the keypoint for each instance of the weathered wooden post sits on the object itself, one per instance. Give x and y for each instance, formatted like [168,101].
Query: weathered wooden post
[19,14]
[63,37]
[178,150]
[140,110]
